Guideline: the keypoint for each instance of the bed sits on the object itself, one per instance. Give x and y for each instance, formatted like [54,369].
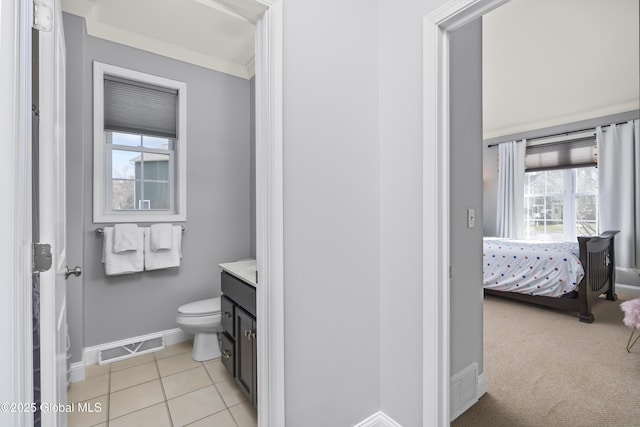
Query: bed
[562,275]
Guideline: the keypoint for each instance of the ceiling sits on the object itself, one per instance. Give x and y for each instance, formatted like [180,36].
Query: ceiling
[548,62]
[215,34]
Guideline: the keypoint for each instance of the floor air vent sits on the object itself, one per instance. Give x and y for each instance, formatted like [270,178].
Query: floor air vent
[130,349]
[464,390]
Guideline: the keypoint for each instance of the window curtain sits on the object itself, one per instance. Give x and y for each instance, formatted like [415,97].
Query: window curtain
[619,188]
[510,214]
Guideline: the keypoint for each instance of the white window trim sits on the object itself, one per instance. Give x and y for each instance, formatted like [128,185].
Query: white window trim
[100,212]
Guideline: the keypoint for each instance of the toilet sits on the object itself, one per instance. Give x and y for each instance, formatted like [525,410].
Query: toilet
[202,318]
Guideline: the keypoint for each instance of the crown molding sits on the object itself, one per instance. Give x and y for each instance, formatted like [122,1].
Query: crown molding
[96,28]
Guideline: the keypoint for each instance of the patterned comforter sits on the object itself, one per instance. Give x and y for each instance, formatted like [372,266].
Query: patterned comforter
[531,267]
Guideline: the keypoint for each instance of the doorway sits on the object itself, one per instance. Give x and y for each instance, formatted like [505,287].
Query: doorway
[437,29]
[269,205]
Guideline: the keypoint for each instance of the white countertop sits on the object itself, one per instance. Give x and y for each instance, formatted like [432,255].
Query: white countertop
[244,270]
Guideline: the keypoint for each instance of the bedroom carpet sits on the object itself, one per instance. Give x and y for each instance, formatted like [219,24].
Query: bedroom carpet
[545,368]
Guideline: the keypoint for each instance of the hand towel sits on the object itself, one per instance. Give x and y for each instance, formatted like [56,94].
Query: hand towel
[125,238]
[125,262]
[161,236]
[163,258]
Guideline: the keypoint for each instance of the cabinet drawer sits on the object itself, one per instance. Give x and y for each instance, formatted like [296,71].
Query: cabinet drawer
[227,314]
[240,292]
[227,353]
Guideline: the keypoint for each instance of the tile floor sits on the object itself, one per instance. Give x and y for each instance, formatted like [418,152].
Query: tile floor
[166,388]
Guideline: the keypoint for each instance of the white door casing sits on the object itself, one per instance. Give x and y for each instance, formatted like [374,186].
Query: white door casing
[53,327]
[436,168]
[269,213]
[15,191]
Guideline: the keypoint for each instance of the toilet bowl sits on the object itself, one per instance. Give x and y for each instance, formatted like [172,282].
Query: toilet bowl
[202,319]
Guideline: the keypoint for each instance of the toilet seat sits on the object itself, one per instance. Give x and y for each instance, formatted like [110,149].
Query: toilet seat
[205,307]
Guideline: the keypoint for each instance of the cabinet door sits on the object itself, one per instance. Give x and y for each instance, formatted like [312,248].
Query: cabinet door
[245,356]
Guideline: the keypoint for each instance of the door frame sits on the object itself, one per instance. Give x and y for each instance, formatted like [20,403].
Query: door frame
[270,215]
[51,215]
[16,358]
[15,186]
[437,27]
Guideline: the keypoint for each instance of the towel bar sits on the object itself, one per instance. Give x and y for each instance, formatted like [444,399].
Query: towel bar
[100,231]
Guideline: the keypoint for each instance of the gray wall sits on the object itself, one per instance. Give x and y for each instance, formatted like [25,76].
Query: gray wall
[218,204]
[252,169]
[401,139]
[466,192]
[331,219]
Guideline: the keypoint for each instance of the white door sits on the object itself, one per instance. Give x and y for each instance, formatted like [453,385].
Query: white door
[53,322]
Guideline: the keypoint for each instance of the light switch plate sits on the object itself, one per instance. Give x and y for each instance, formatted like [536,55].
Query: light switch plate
[471,218]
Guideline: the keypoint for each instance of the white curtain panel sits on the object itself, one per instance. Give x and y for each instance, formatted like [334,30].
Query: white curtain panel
[619,188]
[510,215]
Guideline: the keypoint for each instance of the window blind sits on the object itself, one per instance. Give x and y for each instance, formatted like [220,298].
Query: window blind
[565,154]
[136,107]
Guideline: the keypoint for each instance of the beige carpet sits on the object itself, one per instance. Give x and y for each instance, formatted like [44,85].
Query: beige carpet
[545,368]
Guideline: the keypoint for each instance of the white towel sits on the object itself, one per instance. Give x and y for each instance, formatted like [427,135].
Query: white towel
[125,262]
[164,258]
[125,238]
[161,236]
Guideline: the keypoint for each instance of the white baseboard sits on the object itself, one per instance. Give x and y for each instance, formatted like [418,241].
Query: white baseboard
[634,291]
[176,336]
[90,354]
[77,372]
[379,419]
[482,385]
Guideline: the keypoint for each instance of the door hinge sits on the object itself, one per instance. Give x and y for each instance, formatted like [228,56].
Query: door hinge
[450,272]
[42,16]
[41,257]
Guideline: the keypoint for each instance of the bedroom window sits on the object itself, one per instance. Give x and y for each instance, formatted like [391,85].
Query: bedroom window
[139,146]
[561,204]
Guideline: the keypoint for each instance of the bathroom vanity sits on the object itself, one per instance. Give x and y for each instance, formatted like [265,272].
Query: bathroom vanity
[238,309]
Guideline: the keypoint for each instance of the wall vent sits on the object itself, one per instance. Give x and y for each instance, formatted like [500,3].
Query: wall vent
[464,390]
[125,350]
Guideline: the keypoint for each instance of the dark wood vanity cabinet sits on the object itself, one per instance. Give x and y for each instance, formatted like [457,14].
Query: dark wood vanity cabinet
[238,341]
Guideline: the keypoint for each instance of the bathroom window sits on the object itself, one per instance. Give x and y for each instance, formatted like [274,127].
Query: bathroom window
[139,146]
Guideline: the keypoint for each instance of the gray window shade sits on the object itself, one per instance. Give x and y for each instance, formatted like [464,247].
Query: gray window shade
[135,107]
[561,155]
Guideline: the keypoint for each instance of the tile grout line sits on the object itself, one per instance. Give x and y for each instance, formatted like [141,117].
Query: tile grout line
[233,416]
[210,415]
[222,397]
[164,393]
[109,399]
[228,408]
[146,407]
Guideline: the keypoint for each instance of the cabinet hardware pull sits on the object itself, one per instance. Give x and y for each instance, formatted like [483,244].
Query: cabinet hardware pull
[226,354]
[227,314]
[253,335]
